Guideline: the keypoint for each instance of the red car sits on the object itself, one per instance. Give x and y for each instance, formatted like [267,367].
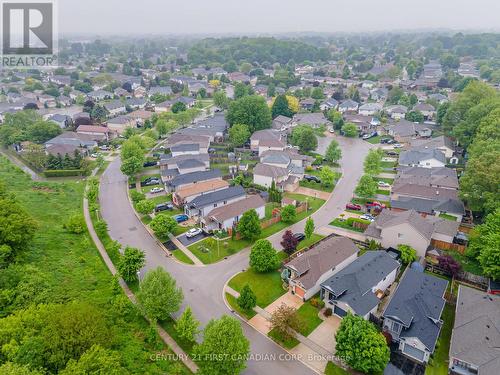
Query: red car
[353,206]
[375,204]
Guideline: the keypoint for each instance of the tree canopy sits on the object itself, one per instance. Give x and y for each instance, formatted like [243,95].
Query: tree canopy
[250,110]
[263,256]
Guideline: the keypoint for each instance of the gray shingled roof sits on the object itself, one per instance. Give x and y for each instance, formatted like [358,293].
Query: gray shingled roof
[217,196]
[415,156]
[352,285]
[184,147]
[193,177]
[476,333]
[418,303]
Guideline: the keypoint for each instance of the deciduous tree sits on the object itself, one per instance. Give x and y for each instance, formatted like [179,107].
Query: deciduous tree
[250,110]
[289,242]
[247,299]
[288,213]
[239,134]
[309,227]
[408,253]
[367,187]
[333,152]
[130,263]
[163,224]
[263,257]
[187,327]
[249,225]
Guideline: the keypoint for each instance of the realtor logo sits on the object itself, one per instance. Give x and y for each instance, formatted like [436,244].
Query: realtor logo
[28,37]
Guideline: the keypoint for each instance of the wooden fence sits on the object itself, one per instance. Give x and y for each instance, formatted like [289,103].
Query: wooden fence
[448,246]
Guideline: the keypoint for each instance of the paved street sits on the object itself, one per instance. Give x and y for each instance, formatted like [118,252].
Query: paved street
[203,286]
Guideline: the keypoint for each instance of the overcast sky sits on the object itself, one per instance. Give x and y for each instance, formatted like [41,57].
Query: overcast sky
[273,16]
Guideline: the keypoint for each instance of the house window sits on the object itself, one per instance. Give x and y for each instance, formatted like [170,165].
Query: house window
[396,327]
[215,204]
[400,235]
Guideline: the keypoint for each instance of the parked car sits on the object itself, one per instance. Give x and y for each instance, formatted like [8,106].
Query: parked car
[299,236]
[374,204]
[384,140]
[353,206]
[370,135]
[383,184]
[392,153]
[193,232]
[181,217]
[164,207]
[156,190]
[367,217]
[149,164]
[104,148]
[312,178]
[331,130]
[397,145]
[211,150]
[152,182]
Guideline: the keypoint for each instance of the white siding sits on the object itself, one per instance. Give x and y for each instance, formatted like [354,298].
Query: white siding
[404,234]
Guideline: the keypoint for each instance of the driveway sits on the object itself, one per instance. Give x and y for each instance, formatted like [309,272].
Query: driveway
[186,241]
[203,286]
[313,193]
[288,299]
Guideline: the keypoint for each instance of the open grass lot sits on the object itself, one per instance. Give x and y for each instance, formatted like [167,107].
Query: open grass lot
[234,305]
[66,267]
[333,369]
[288,344]
[468,264]
[215,253]
[308,314]
[180,256]
[266,286]
[374,140]
[439,362]
[316,186]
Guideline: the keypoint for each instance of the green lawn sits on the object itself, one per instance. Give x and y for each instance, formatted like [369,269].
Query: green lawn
[383,192]
[266,286]
[269,209]
[234,305]
[288,344]
[468,264]
[333,369]
[447,217]
[439,359]
[310,320]
[388,164]
[307,242]
[374,140]
[384,179]
[66,267]
[362,201]
[316,186]
[216,253]
[180,256]
[161,198]
[343,224]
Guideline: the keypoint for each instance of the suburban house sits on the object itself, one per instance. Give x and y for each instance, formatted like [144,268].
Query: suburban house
[404,131]
[315,120]
[264,140]
[188,193]
[369,109]
[61,120]
[172,166]
[202,205]
[426,158]
[358,288]
[413,315]
[288,158]
[348,105]
[285,180]
[185,149]
[426,109]
[119,124]
[68,142]
[116,107]
[281,123]
[475,339]
[397,112]
[227,217]
[365,124]
[307,104]
[391,229]
[309,269]
[192,178]
[163,106]
[212,127]
[328,104]
[99,133]
[441,143]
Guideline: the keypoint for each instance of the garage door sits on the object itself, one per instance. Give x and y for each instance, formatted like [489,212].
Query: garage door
[299,291]
[338,311]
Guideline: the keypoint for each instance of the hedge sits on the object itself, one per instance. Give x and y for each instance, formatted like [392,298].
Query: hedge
[63,172]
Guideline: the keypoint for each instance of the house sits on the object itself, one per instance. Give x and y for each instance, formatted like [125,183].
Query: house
[285,159]
[163,106]
[99,95]
[441,143]
[328,104]
[436,177]
[202,205]
[185,149]
[348,105]
[171,166]
[188,193]
[136,103]
[426,109]
[391,229]
[227,217]
[307,104]
[48,101]
[120,123]
[64,101]
[440,98]
[121,92]
[62,120]
[99,133]
[115,107]
[397,112]
[365,124]
[315,120]
[281,123]
[307,271]
[267,139]
[405,131]
[426,158]
[358,287]
[188,179]
[475,339]
[77,140]
[413,315]
[369,109]
[214,128]
[379,94]
[162,90]
[265,175]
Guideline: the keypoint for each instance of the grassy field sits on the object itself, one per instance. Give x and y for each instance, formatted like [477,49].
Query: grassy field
[310,320]
[288,344]
[343,224]
[266,286]
[67,267]
[439,364]
[215,253]
[316,186]
[306,242]
[180,256]
[383,192]
[333,369]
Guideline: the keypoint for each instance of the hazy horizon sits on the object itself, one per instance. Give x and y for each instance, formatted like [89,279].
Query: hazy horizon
[222,17]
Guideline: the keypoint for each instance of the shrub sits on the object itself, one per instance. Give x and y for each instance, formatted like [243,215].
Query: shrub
[328,311]
[63,172]
[318,303]
[137,196]
[75,224]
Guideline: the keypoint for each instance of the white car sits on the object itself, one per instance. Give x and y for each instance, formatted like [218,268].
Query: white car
[383,184]
[331,130]
[193,232]
[397,145]
[367,217]
[156,190]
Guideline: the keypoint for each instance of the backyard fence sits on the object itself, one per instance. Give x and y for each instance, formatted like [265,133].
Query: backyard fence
[442,245]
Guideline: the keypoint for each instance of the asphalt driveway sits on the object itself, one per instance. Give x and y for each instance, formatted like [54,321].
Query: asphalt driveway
[186,241]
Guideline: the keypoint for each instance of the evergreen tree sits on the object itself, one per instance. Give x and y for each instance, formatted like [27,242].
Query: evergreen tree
[280,107]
